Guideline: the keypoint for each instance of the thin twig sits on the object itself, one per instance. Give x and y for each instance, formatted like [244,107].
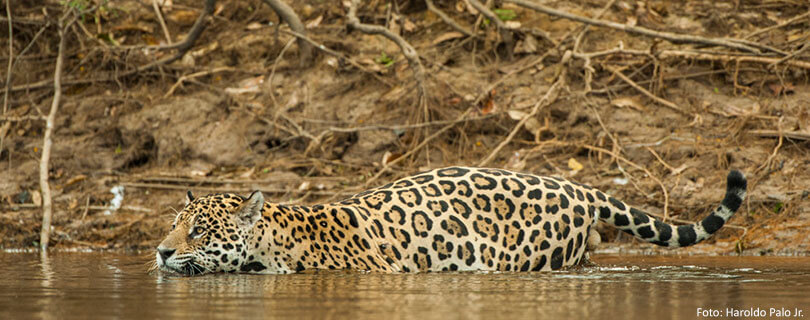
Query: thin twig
[10,55]
[182,47]
[666,165]
[273,72]
[671,37]
[159,15]
[797,135]
[791,55]
[411,126]
[407,50]
[388,165]
[633,164]
[647,93]
[47,201]
[548,98]
[503,30]
[339,55]
[449,21]
[679,54]
[788,22]
[768,161]
[195,75]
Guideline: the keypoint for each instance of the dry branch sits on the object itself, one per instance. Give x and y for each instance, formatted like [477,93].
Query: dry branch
[729,58]
[47,201]
[796,135]
[449,21]
[547,99]
[286,14]
[10,55]
[660,100]
[407,50]
[418,147]
[182,47]
[790,21]
[671,37]
[503,30]
[162,22]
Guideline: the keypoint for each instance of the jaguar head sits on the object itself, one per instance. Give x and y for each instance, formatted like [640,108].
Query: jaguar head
[210,234]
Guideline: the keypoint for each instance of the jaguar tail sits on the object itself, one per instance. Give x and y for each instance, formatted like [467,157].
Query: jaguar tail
[650,229]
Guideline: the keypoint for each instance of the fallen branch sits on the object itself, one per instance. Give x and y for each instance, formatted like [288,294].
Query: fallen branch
[796,135]
[449,21]
[547,99]
[671,37]
[667,54]
[47,201]
[407,50]
[286,14]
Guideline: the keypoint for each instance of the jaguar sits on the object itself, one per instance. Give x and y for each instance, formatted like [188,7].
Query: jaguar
[449,219]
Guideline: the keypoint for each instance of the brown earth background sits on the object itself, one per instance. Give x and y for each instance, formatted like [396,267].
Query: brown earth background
[243,110]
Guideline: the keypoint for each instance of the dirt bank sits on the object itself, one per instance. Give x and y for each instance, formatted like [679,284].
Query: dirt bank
[237,115]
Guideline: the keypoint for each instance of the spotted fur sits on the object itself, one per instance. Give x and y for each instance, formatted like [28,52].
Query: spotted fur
[453,218]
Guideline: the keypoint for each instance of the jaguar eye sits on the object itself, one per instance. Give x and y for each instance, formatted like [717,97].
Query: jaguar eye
[196,232]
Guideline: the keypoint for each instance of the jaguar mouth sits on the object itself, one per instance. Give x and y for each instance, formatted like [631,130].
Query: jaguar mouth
[187,268]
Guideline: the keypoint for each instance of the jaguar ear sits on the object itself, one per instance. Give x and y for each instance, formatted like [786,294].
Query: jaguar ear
[189,197]
[250,211]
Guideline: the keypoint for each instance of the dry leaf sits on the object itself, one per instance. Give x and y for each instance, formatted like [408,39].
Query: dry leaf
[527,45]
[629,102]
[254,26]
[36,198]
[408,25]
[782,88]
[678,170]
[531,124]
[74,180]
[489,105]
[248,173]
[512,24]
[389,156]
[314,22]
[304,186]
[515,162]
[447,36]
[182,17]
[574,165]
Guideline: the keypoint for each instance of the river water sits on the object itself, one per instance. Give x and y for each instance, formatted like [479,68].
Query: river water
[116,286]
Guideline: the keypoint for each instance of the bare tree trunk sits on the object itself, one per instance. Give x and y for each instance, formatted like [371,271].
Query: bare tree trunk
[286,14]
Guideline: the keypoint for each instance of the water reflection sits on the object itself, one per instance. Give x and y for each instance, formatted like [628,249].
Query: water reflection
[66,285]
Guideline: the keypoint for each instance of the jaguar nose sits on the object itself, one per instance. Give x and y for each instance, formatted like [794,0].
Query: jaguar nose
[166,253]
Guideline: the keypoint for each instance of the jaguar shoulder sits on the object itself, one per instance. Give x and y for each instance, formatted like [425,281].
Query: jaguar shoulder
[454,218]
